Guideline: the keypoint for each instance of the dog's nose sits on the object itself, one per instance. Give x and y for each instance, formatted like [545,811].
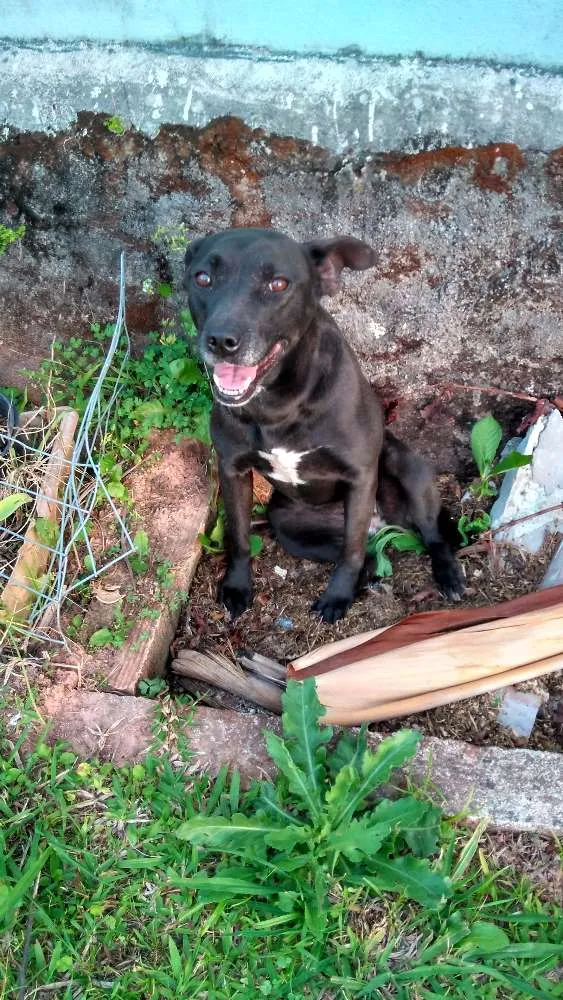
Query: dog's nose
[217,343]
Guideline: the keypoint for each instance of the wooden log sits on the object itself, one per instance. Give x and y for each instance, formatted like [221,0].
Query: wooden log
[215,669]
[33,557]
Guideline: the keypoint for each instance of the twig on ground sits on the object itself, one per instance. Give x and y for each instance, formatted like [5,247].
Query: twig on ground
[490,390]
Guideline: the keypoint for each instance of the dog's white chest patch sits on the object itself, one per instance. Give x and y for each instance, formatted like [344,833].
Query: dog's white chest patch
[285,465]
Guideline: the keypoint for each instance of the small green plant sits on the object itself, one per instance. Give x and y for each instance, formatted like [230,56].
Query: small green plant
[112,474]
[320,826]
[74,626]
[471,526]
[171,239]
[139,563]
[214,542]
[9,236]
[115,125]
[486,435]
[164,574]
[114,636]
[149,614]
[153,686]
[47,531]
[164,388]
[401,539]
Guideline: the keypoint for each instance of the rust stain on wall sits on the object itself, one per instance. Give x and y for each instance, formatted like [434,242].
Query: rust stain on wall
[494,167]
[224,150]
[554,171]
[398,262]
[423,209]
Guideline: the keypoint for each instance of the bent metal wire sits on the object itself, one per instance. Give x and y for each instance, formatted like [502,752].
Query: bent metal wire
[82,491]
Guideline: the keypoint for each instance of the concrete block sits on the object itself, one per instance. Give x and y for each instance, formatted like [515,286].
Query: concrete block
[97,724]
[513,789]
[554,572]
[533,487]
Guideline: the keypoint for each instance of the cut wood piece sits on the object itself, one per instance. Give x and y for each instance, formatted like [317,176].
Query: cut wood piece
[384,681]
[415,628]
[263,666]
[33,557]
[213,668]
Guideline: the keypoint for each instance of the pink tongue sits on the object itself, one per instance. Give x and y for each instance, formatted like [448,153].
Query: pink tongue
[234,376]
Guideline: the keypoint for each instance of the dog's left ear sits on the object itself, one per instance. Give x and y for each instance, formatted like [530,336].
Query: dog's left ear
[330,256]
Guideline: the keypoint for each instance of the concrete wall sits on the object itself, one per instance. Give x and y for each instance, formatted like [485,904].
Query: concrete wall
[467,288]
[343,104]
[513,31]
[452,170]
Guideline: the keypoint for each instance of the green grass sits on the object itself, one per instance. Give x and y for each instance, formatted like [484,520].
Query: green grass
[100,897]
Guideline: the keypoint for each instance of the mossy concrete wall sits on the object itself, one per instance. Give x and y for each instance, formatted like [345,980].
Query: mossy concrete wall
[467,288]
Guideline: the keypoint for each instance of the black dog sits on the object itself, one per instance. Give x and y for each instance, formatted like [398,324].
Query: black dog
[292,402]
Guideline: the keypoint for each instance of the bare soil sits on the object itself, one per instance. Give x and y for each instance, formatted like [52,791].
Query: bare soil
[280,625]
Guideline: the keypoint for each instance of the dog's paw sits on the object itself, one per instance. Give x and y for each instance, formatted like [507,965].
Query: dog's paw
[331,609]
[449,577]
[236,595]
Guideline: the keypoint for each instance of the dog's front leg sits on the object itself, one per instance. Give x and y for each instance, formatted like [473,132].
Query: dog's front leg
[359,502]
[235,590]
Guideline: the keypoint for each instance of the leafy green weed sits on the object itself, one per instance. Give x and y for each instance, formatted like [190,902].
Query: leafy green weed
[114,636]
[400,539]
[166,387]
[485,440]
[9,236]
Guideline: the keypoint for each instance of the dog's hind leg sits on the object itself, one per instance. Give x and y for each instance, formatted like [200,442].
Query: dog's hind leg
[305,531]
[408,496]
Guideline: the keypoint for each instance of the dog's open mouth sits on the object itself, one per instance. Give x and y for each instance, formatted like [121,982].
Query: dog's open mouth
[239,382]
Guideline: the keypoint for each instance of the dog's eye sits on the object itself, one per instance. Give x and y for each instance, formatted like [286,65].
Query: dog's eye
[203,279]
[278,284]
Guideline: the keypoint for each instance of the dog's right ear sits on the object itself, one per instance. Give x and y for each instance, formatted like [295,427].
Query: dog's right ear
[329,257]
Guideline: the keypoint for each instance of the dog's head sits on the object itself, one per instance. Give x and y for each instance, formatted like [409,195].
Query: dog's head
[253,294]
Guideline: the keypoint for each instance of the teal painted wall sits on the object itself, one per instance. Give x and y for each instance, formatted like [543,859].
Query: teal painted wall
[519,31]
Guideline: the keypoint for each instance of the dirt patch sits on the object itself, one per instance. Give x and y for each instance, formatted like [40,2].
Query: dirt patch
[280,625]
[533,855]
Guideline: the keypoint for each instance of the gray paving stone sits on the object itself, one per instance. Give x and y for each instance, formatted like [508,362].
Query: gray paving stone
[520,790]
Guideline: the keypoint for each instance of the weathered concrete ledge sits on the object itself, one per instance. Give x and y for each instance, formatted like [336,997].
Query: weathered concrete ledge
[346,101]
[520,790]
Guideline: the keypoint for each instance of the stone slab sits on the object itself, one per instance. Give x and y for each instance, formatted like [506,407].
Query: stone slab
[554,572]
[514,789]
[98,724]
